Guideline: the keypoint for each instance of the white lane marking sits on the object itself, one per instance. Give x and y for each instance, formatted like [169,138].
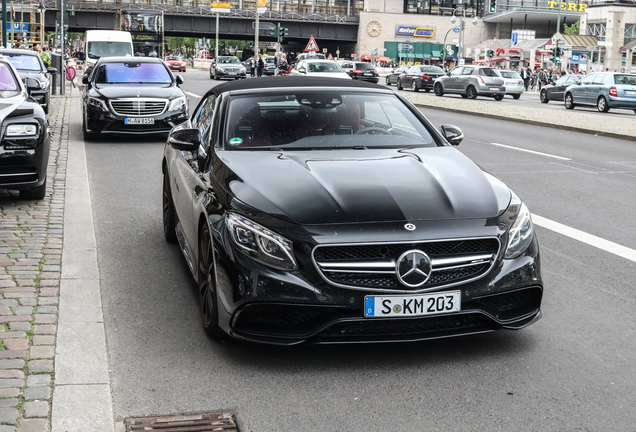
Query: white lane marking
[193,95]
[531,151]
[592,240]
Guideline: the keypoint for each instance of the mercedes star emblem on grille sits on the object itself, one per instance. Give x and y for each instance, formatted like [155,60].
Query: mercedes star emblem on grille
[413,268]
[410,227]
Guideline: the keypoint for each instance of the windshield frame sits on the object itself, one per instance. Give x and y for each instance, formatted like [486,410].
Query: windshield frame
[105,65]
[40,68]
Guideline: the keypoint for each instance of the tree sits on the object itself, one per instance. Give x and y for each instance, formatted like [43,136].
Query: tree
[573,29]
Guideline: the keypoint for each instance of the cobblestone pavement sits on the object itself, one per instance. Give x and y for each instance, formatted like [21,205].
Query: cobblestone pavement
[30,268]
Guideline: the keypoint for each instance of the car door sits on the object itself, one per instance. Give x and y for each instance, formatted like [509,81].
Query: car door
[579,92]
[451,81]
[465,79]
[184,171]
[556,92]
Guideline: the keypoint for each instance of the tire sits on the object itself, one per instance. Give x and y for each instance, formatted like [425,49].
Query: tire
[569,101]
[516,96]
[45,108]
[169,213]
[211,77]
[217,77]
[388,81]
[601,104]
[543,96]
[498,97]
[414,86]
[471,93]
[36,193]
[398,84]
[439,90]
[207,291]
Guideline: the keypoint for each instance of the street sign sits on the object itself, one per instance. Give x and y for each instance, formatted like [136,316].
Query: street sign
[324,50]
[565,47]
[604,43]
[404,47]
[312,45]
[220,7]
[261,10]
[455,40]
[337,52]
[557,36]
[330,57]
[262,25]
[456,30]
[462,62]
[450,51]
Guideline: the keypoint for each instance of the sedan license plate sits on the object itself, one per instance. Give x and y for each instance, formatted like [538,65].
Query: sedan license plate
[412,305]
[630,92]
[368,73]
[493,88]
[139,121]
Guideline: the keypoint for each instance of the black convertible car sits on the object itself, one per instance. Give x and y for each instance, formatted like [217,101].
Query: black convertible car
[24,151]
[131,95]
[313,211]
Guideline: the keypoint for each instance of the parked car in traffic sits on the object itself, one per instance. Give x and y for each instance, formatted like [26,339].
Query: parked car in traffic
[513,83]
[319,68]
[30,65]
[227,67]
[420,77]
[556,90]
[269,63]
[471,81]
[176,63]
[131,95]
[604,90]
[392,76]
[308,56]
[331,211]
[361,71]
[24,151]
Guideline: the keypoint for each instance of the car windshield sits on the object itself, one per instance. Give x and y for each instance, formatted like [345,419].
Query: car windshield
[365,66]
[510,74]
[269,60]
[228,60]
[432,69]
[629,79]
[132,72]
[325,67]
[25,62]
[109,49]
[8,84]
[173,58]
[311,120]
[488,72]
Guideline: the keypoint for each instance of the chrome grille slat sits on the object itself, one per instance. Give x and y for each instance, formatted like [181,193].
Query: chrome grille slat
[372,266]
[138,107]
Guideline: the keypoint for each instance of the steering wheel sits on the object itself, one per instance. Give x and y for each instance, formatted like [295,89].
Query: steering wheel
[372,129]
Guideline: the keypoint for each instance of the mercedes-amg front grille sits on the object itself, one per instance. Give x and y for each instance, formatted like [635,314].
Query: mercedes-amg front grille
[138,107]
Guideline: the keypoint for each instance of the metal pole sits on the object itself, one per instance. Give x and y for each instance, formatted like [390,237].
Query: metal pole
[4,23]
[444,47]
[22,21]
[462,31]
[216,47]
[63,71]
[256,30]
[348,7]
[11,24]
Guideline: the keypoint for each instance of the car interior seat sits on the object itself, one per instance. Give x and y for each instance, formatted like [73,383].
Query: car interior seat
[247,124]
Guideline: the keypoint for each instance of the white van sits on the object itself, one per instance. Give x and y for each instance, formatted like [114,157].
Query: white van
[106,43]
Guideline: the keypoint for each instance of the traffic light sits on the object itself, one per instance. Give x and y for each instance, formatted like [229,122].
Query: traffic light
[283,32]
[557,55]
[490,53]
[273,32]
[493,6]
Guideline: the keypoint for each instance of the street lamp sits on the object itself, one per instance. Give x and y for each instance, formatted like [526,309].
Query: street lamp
[41,9]
[462,27]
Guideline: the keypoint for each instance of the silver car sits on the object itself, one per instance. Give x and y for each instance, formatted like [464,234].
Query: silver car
[604,90]
[513,82]
[471,81]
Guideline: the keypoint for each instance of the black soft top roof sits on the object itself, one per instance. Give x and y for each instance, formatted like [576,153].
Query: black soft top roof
[292,81]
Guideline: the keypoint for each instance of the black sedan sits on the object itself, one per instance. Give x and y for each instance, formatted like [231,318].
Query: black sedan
[131,95]
[30,65]
[420,77]
[555,91]
[392,76]
[313,210]
[361,71]
[24,151]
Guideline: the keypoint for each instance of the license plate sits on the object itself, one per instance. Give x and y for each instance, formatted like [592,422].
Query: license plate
[369,73]
[137,121]
[412,305]
[630,92]
[493,88]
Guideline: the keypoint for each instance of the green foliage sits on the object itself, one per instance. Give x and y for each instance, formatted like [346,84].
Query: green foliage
[573,29]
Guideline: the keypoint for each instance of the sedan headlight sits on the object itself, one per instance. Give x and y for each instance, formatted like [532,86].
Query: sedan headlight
[517,216]
[220,69]
[178,104]
[260,243]
[97,103]
[22,130]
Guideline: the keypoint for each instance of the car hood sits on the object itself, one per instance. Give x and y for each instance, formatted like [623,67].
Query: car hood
[320,187]
[115,91]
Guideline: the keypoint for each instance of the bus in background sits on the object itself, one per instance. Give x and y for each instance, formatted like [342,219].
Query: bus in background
[106,43]
[146,29]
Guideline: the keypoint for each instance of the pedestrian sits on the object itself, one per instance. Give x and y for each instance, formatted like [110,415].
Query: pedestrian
[45,55]
[525,75]
[260,66]
[18,43]
[276,61]
[252,67]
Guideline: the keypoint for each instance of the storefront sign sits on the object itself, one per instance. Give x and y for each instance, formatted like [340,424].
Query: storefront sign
[568,6]
[579,57]
[414,31]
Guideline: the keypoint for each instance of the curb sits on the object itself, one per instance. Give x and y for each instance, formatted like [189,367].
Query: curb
[532,122]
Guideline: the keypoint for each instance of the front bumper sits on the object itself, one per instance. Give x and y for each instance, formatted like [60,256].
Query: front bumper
[233,75]
[105,122]
[259,304]
[23,162]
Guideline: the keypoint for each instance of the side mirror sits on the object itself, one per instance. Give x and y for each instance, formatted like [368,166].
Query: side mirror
[179,80]
[85,78]
[51,70]
[81,56]
[185,139]
[31,84]
[453,134]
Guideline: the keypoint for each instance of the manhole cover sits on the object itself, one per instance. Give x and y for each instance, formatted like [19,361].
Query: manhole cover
[202,422]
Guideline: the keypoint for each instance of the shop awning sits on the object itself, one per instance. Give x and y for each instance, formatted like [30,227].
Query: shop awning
[436,53]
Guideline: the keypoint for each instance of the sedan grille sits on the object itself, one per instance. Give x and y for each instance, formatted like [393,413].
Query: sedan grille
[138,107]
[373,266]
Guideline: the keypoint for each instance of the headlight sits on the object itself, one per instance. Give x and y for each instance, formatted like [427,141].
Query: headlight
[517,216]
[97,103]
[220,69]
[242,69]
[260,243]
[18,130]
[178,104]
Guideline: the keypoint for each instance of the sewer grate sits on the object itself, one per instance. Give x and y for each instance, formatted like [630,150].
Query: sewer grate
[199,422]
